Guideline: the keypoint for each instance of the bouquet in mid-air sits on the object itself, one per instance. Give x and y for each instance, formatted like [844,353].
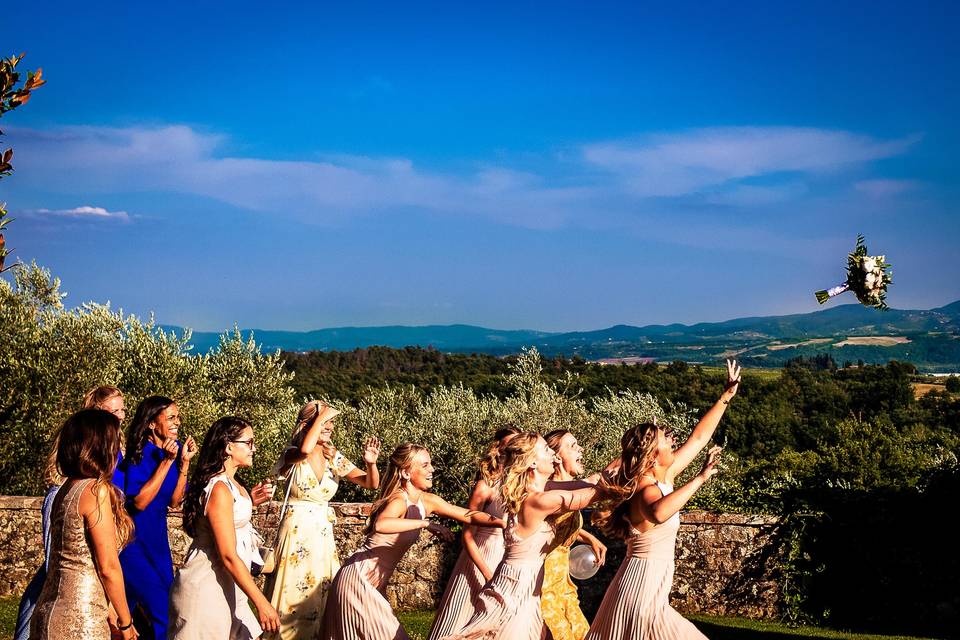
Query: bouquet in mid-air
[867,276]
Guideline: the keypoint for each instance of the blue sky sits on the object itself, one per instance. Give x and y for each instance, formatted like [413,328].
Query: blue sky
[557,167]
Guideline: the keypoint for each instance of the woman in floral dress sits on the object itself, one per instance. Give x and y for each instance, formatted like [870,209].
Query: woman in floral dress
[306,554]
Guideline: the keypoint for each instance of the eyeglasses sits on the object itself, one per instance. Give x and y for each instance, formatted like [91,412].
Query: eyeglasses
[249,442]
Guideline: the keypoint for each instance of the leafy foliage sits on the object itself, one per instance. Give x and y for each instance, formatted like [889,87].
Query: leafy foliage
[11,97]
[51,356]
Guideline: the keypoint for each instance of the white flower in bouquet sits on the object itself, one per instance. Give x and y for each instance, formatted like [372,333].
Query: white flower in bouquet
[867,276]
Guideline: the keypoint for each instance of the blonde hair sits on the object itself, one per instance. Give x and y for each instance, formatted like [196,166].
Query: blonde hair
[92,399]
[400,460]
[639,449]
[308,413]
[519,453]
[490,465]
[95,398]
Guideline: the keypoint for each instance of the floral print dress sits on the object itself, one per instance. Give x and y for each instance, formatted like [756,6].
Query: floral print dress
[306,554]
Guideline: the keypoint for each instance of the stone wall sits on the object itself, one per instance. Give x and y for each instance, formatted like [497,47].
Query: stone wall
[725,562]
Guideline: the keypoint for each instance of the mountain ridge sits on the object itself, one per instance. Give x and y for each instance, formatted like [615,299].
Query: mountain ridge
[757,337]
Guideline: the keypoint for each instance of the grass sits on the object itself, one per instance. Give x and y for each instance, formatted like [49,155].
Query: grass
[8,616]
[417,624]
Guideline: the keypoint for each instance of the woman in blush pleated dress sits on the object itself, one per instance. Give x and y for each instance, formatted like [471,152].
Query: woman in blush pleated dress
[208,600]
[306,553]
[357,607]
[482,546]
[508,606]
[636,605]
[559,603]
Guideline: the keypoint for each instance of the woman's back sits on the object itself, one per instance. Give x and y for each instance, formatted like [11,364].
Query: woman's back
[72,603]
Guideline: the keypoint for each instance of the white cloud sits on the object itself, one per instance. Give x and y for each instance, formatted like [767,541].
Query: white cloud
[616,179]
[84,212]
[680,164]
[885,188]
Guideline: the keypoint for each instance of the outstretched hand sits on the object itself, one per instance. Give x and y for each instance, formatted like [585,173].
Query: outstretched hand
[710,464]
[371,450]
[261,492]
[733,378]
[440,531]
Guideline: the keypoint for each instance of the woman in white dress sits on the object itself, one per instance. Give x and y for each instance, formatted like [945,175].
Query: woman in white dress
[209,596]
[306,553]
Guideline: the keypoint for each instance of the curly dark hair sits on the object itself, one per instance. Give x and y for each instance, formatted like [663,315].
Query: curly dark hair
[139,430]
[213,453]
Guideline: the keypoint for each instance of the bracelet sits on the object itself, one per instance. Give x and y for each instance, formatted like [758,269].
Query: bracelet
[126,626]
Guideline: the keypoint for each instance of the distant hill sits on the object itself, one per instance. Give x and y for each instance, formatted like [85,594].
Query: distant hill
[928,338]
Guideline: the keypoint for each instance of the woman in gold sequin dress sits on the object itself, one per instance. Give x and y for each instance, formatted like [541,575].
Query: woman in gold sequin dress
[558,599]
[88,527]
[306,554]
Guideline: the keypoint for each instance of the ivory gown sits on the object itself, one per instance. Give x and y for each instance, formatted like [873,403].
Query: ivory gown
[637,603]
[508,607]
[205,602]
[357,607]
[72,604]
[456,606]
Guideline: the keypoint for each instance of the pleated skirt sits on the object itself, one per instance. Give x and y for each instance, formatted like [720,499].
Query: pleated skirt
[357,610]
[456,606]
[508,607]
[637,605]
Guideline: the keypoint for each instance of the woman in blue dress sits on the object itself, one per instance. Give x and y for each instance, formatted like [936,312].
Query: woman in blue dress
[155,470]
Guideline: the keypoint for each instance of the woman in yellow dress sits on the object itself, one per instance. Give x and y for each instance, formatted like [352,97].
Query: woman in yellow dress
[558,599]
[306,553]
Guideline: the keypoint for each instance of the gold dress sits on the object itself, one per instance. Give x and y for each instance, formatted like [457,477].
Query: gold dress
[306,553]
[558,600]
[72,605]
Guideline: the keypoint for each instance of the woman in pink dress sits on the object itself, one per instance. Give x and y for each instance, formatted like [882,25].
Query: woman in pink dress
[637,603]
[482,546]
[357,607]
[508,606]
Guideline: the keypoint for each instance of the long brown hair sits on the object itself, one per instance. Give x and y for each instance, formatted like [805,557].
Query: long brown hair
[638,454]
[87,447]
[517,456]
[210,462]
[490,465]
[400,460]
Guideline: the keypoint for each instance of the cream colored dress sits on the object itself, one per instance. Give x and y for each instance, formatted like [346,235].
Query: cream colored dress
[306,554]
[205,601]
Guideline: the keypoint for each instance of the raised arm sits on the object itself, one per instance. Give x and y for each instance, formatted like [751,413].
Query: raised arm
[148,490]
[220,515]
[659,508]
[558,500]
[98,520]
[293,455]
[370,477]
[702,433]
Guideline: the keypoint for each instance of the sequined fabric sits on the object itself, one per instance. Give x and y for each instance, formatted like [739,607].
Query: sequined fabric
[72,605]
